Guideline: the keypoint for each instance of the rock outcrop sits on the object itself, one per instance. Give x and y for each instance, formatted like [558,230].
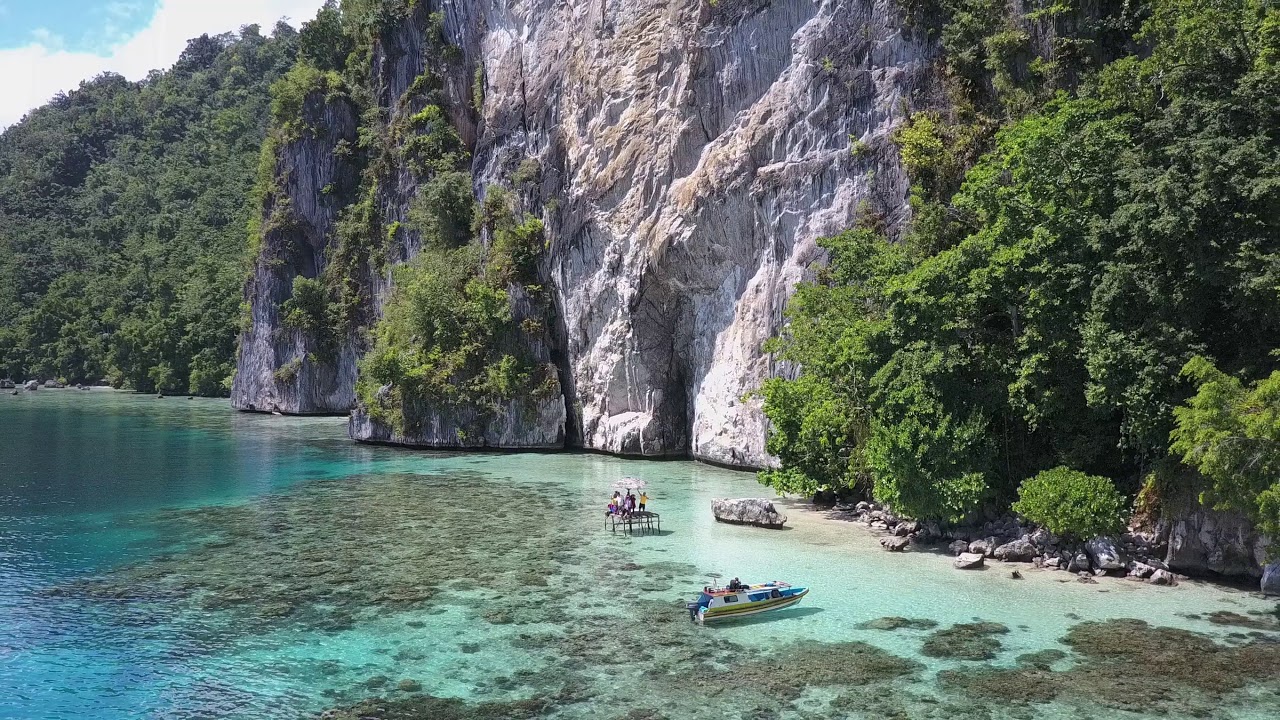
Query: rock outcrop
[690,154]
[282,368]
[750,511]
[968,561]
[1205,541]
[1271,580]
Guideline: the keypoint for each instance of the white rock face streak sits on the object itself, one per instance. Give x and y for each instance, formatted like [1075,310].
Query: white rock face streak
[691,157]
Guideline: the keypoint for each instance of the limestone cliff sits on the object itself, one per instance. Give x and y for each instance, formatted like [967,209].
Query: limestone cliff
[688,155]
[281,368]
[691,155]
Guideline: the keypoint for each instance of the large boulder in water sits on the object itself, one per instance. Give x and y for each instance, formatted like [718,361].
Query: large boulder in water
[1105,553]
[747,511]
[31,385]
[1271,580]
[968,561]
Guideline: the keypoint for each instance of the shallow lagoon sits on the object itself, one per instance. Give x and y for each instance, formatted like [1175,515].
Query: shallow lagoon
[172,558]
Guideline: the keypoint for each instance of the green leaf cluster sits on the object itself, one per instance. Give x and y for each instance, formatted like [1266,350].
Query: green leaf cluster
[1230,433]
[1072,504]
[1039,317]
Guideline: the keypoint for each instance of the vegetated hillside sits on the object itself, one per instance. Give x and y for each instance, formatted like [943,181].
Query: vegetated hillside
[1049,294]
[123,209]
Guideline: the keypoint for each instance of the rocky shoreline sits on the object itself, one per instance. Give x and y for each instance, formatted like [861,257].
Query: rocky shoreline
[1135,555]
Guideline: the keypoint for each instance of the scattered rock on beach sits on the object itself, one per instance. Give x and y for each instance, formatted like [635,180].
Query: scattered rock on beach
[894,543]
[1016,551]
[968,561]
[1105,554]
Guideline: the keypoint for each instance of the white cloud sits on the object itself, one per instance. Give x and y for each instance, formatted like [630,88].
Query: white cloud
[31,75]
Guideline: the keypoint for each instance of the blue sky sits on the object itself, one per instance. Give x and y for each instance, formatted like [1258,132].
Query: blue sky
[77,25]
[50,46]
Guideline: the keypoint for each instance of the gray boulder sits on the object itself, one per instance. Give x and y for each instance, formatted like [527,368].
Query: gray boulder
[1054,562]
[31,385]
[969,561]
[1105,553]
[1271,580]
[893,543]
[747,511]
[958,546]
[1140,570]
[1042,539]
[1016,551]
[1163,577]
[982,547]
[1078,563]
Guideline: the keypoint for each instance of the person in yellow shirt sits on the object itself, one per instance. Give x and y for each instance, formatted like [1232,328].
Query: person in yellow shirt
[643,499]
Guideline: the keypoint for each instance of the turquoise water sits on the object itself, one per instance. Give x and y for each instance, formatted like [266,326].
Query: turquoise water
[172,558]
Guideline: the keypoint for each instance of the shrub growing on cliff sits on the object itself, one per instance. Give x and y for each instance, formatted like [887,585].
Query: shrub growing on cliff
[1071,503]
[1230,433]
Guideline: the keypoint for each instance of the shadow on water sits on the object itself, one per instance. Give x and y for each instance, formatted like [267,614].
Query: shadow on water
[794,613]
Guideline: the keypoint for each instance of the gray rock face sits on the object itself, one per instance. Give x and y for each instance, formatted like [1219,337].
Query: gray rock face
[522,423]
[968,561]
[279,368]
[690,156]
[1105,554]
[750,511]
[31,385]
[957,547]
[1271,579]
[1203,541]
[1016,551]
[696,153]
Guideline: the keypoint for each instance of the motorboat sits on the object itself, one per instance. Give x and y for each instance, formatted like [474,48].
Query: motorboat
[718,604]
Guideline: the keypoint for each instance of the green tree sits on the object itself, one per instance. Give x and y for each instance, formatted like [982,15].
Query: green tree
[1072,504]
[1230,433]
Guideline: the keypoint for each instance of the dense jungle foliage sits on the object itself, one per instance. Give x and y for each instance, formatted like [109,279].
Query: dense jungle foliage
[1044,304]
[123,209]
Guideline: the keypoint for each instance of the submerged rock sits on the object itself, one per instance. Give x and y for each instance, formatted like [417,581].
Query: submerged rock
[966,641]
[749,511]
[898,623]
